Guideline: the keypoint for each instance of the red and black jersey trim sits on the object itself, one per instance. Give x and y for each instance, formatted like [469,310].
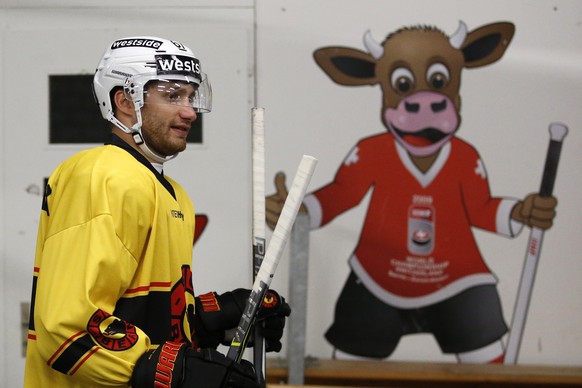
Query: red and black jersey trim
[72,357]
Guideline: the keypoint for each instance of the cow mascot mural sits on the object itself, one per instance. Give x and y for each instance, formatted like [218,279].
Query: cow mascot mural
[417,267]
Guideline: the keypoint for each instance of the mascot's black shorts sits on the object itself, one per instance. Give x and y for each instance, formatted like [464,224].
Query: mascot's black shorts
[365,326]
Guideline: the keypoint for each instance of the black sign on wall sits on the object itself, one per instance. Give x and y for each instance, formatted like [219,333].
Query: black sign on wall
[74,116]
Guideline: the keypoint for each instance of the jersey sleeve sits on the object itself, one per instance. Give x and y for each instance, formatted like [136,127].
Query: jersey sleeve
[482,208]
[90,252]
[349,186]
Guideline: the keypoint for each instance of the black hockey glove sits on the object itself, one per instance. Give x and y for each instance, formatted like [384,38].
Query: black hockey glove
[217,315]
[175,365]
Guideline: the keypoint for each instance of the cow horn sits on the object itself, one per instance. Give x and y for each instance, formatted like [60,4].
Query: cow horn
[373,47]
[458,38]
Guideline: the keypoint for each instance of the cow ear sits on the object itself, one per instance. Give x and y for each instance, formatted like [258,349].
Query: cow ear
[347,66]
[487,44]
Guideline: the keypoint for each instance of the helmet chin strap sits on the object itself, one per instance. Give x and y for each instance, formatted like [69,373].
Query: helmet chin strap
[137,136]
[139,140]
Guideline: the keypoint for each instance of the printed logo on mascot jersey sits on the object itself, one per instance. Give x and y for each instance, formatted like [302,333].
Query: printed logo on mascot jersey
[111,332]
[182,302]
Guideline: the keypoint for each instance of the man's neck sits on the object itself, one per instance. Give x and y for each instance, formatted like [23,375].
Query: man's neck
[128,138]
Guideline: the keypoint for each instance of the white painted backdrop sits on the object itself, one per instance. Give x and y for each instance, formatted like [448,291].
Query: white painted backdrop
[506,111]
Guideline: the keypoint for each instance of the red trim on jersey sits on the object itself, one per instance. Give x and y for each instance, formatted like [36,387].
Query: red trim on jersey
[63,346]
[147,288]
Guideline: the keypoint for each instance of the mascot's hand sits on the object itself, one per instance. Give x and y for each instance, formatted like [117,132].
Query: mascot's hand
[536,211]
[274,203]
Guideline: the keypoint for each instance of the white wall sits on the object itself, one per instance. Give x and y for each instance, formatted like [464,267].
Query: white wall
[506,110]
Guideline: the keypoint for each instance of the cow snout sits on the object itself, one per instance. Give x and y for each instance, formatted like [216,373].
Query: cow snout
[423,121]
[424,110]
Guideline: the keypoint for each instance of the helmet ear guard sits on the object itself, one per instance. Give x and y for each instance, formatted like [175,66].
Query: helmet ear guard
[134,92]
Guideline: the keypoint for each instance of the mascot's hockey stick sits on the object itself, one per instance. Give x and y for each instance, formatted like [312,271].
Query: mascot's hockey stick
[272,256]
[258,167]
[534,246]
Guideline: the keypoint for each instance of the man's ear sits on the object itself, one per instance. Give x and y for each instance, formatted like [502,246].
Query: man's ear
[122,104]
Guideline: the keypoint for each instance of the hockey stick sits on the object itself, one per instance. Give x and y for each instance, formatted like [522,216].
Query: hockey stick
[557,133]
[258,167]
[272,256]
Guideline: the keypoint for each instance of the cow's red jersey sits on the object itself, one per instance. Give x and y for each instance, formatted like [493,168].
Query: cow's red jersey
[416,246]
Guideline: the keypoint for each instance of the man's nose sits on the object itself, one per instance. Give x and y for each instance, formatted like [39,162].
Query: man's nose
[188,112]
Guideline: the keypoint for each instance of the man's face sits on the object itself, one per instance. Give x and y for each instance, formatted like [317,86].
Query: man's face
[167,116]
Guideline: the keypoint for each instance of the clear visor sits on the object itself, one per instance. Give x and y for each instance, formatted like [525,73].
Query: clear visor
[181,91]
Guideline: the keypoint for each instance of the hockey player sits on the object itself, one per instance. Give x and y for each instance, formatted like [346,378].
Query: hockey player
[112,300]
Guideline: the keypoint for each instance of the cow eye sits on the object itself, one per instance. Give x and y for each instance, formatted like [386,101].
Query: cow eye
[402,79]
[437,75]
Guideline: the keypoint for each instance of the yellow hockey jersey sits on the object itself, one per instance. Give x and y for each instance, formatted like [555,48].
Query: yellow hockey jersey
[112,271]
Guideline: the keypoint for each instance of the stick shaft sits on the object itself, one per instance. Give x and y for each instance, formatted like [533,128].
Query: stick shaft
[534,246]
[524,292]
[258,167]
[551,168]
[272,255]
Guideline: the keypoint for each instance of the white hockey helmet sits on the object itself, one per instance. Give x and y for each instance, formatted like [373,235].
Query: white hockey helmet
[130,63]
